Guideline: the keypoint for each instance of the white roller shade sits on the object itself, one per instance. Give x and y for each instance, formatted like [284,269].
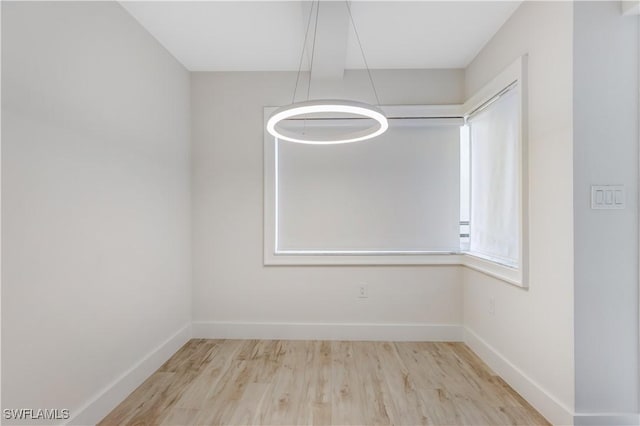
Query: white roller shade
[495,180]
[396,193]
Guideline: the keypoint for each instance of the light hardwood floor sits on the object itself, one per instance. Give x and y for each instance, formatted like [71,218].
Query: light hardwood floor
[261,382]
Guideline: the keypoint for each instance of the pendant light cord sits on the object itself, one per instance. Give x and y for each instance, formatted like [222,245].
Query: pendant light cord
[313,50]
[364,58]
[304,46]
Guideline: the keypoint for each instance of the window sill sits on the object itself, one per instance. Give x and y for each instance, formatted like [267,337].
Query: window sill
[357,258]
[496,270]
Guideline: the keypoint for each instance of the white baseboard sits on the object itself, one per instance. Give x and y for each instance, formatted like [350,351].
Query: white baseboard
[327,331]
[606,419]
[552,409]
[115,392]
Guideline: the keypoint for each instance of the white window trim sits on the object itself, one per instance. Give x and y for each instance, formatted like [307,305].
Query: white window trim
[516,276]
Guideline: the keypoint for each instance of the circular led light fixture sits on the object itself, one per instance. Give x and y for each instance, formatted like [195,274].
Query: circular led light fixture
[358,109]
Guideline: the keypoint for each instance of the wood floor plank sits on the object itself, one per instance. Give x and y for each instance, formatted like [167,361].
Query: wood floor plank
[221,400]
[347,396]
[283,401]
[249,406]
[426,374]
[179,416]
[378,400]
[140,401]
[409,409]
[221,358]
[316,390]
[276,382]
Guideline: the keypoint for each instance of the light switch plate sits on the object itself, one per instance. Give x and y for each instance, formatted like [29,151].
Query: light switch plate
[608,197]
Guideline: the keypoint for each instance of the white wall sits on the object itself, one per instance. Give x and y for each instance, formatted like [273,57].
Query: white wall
[606,241]
[529,339]
[231,284]
[96,200]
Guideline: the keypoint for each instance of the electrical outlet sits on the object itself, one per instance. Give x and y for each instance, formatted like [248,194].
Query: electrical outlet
[363,291]
[492,306]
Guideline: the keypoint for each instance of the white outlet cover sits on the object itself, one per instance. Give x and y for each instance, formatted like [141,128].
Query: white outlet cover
[363,291]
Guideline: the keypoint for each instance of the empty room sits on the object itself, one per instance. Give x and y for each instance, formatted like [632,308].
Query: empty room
[320,212]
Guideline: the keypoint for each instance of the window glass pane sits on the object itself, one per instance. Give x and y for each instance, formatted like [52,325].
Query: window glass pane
[465,187]
[397,192]
[495,183]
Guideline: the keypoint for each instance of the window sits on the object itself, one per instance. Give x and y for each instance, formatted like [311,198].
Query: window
[465,187]
[496,187]
[494,179]
[392,200]
[394,194]
[444,185]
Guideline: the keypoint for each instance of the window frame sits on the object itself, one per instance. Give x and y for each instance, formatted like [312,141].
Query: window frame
[272,256]
[518,276]
[513,74]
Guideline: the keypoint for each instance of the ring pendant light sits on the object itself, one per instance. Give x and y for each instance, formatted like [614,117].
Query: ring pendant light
[328,106]
[302,110]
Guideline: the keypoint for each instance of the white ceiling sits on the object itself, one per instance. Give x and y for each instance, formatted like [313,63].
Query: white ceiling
[268,35]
